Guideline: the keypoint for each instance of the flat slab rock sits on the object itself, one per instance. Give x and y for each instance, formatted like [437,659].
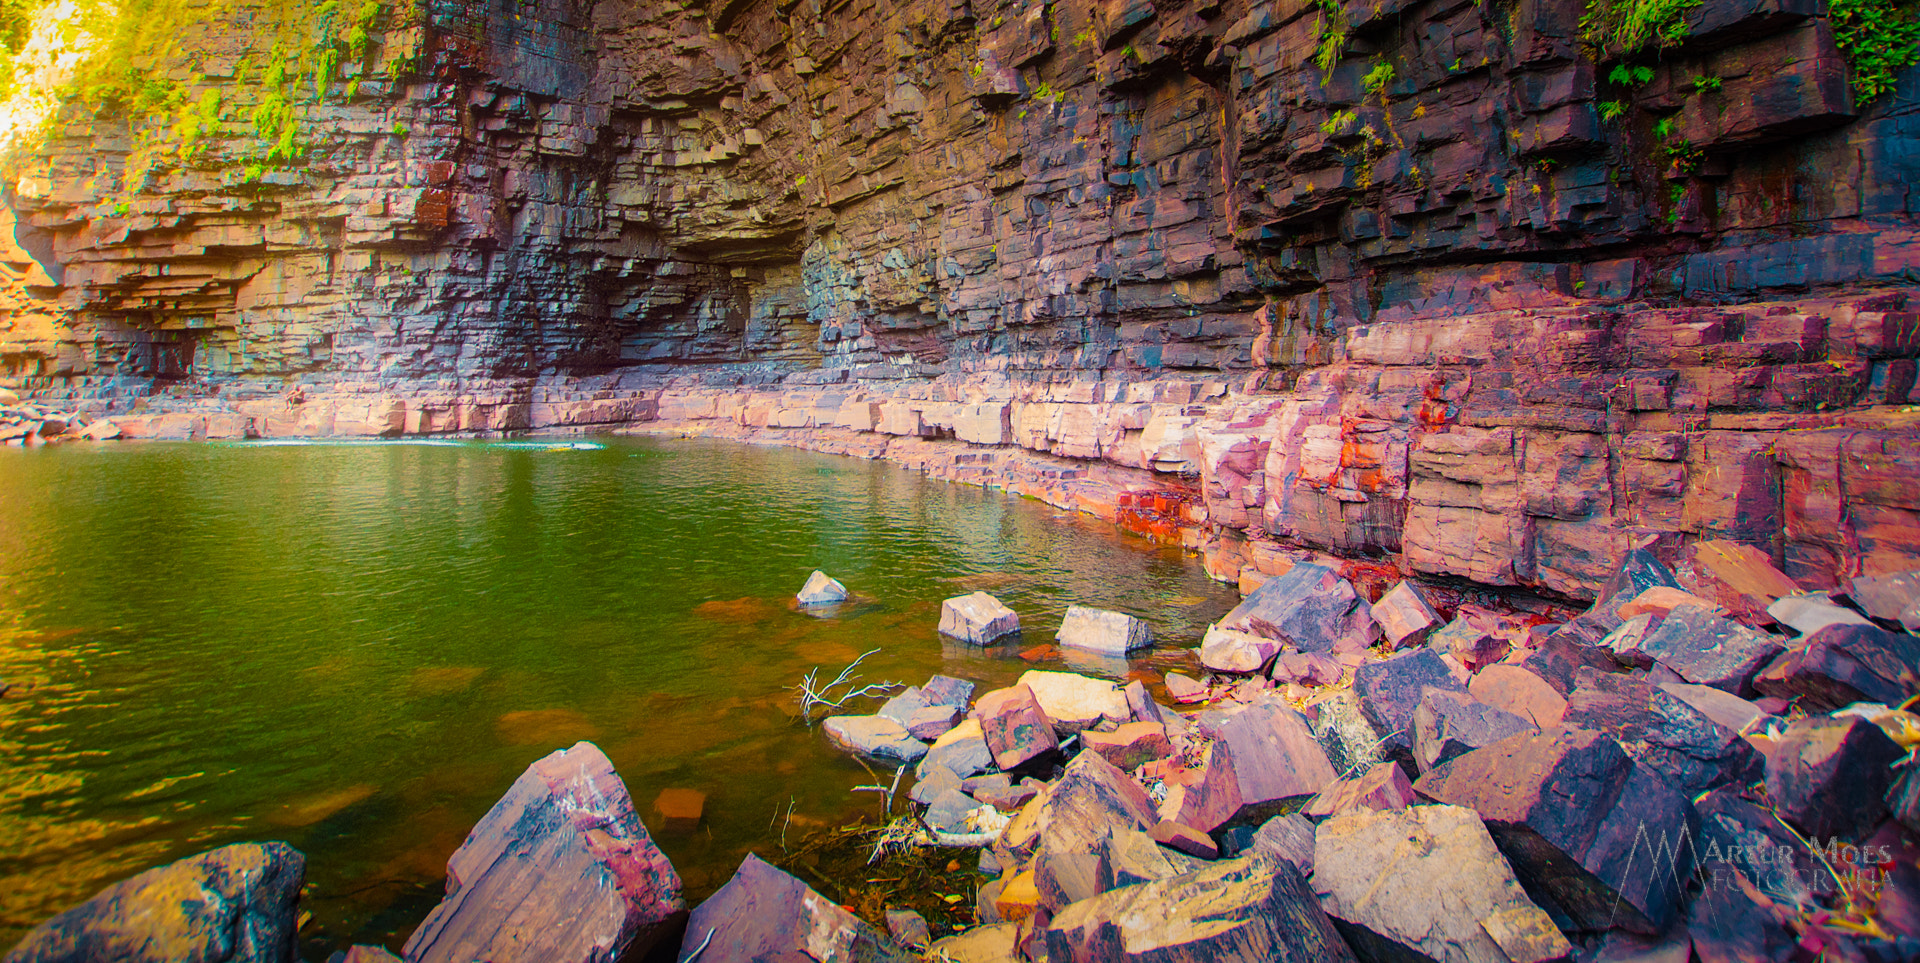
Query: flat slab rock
[876,736]
[1251,908]
[560,869]
[1429,880]
[764,914]
[1075,702]
[1706,649]
[1583,825]
[243,906]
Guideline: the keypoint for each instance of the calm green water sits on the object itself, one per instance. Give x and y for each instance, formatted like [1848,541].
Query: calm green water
[357,648]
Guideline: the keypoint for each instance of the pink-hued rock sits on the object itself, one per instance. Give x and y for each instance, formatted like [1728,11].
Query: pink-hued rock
[1273,751]
[1404,615]
[1383,786]
[1310,608]
[1307,668]
[1660,600]
[1741,579]
[1519,691]
[765,914]
[1185,690]
[1015,729]
[561,869]
[1203,795]
[978,618]
[1130,745]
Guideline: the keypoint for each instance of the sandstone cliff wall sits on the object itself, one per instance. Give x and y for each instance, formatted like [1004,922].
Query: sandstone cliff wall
[1465,299]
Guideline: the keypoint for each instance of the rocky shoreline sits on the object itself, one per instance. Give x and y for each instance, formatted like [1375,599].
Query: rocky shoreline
[1708,760]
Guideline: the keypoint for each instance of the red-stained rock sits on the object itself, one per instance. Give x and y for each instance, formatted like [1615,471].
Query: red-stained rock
[1099,630]
[1307,668]
[1660,600]
[561,869]
[680,809]
[1662,732]
[765,914]
[1130,745]
[1015,729]
[235,903]
[1383,786]
[1604,839]
[1519,691]
[1830,776]
[1739,578]
[1842,664]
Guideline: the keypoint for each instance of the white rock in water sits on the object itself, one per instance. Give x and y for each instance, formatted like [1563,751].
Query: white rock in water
[821,588]
[978,618]
[1098,630]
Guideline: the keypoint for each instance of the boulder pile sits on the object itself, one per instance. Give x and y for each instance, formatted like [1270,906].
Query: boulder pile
[1707,763]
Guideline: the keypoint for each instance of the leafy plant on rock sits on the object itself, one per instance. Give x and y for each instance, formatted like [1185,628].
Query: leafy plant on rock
[1879,39]
[1623,28]
[1331,34]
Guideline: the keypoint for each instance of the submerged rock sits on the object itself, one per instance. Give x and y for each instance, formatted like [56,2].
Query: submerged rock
[560,869]
[236,903]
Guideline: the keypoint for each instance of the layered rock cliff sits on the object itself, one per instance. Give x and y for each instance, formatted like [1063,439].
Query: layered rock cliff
[1470,286]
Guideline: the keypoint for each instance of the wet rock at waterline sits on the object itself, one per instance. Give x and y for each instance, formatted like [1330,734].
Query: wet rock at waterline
[763,914]
[821,589]
[236,903]
[1428,881]
[978,618]
[1232,650]
[875,736]
[1099,630]
[1075,702]
[561,869]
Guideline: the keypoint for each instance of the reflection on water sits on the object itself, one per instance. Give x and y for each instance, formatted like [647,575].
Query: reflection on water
[356,648]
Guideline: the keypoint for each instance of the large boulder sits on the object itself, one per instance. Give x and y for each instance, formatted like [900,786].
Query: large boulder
[1741,578]
[764,915]
[1687,748]
[1310,607]
[1079,813]
[1830,776]
[1404,615]
[1706,649]
[1251,908]
[1274,754]
[1601,837]
[560,869]
[1521,692]
[1427,881]
[1842,664]
[1100,630]
[236,903]
[1391,690]
[1448,724]
[978,618]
